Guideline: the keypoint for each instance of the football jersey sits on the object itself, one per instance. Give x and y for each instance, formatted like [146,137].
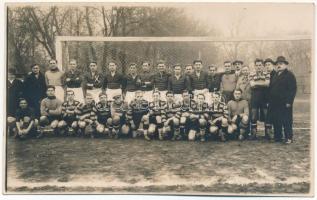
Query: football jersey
[86,111]
[69,109]
[158,108]
[187,107]
[138,107]
[218,110]
[259,76]
[198,108]
[103,111]
[172,109]
[119,108]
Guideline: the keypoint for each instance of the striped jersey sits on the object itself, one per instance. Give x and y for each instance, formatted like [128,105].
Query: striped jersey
[102,111]
[86,111]
[69,108]
[218,110]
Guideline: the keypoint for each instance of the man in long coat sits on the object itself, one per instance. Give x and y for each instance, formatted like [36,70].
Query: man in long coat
[282,93]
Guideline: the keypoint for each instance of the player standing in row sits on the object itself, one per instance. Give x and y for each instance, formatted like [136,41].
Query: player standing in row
[73,80]
[259,82]
[92,82]
[237,65]
[113,81]
[243,84]
[228,82]
[214,79]
[147,81]
[55,77]
[132,83]
[200,81]
[178,82]
[160,79]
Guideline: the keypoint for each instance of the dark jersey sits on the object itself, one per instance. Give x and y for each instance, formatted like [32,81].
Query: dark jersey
[21,113]
[157,108]
[187,107]
[73,79]
[92,81]
[103,111]
[137,108]
[172,110]
[200,108]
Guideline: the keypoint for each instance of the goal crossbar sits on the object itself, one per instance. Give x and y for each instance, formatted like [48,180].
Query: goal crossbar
[60,39]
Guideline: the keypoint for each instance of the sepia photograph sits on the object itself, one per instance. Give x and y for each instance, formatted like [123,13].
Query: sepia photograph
[159,98]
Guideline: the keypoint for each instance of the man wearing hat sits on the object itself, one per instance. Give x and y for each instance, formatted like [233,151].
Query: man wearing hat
[237,67]
[282,93]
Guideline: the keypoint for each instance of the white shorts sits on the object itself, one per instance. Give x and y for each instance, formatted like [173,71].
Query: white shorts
[208,98]
[59,93]
[129,96]
[79,94]
[147,95]
[95,93]
[113,92]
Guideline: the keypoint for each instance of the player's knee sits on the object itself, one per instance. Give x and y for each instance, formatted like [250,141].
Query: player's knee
[152,128]
[116,120]
[54,124]
[109,121]
[82,124]
[100,128]
[74,125]
[176,122]
[61,124]
[158,119]
[213,129]
[224,122]
[125,129]
[202,122]
[36,122]
[191,135]
[232,128]
[43,120]
[245,119]
[183,120]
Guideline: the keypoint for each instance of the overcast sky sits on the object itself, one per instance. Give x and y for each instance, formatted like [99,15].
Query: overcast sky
[257,19]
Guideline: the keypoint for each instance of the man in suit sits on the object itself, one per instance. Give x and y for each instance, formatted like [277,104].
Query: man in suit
[35,89]
[282,93]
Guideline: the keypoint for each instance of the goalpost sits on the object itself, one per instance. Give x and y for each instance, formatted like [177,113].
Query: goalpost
[182,50]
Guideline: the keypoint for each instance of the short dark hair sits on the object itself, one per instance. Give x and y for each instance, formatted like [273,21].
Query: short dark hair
[258,60]
[177,65]
[160,62]
[22,99]
[33,65]
[201,94]
[95,62]
[112,61]
[212,65]
[188,65]
[53,60]
[169,92]
[70,91]
[197,61]
[145,61]
[50,86]
[132,64]
[238,89]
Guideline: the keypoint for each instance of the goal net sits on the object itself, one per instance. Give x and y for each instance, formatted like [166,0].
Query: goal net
[183,50]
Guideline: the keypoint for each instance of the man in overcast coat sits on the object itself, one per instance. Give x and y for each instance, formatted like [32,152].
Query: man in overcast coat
[282,92]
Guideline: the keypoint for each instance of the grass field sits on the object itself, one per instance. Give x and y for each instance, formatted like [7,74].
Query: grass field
[138,166]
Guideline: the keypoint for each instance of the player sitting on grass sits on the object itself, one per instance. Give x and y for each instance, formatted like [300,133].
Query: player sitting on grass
[103,112]
[199,119]
[51,109]
[86,117]
[171,125]
[138,109]
[238,110]
[69,120]
[156,117]
[25,122]
[119,110]
[185,110]
[218,117]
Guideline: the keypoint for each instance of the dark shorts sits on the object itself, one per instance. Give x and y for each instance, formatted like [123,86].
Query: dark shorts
[258,99]
[69,120]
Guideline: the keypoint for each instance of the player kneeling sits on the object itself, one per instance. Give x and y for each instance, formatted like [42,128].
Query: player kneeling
[218,123]
[68,124]
[199,119]
[25,122]
[172,124]
[156,117]
[51,109]
[119,122]
[103,112]
[137,112]
[239,115]
[86,117]
[185,111]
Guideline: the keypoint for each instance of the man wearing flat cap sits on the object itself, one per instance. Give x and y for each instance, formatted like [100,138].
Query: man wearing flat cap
[282,93]
[237,66]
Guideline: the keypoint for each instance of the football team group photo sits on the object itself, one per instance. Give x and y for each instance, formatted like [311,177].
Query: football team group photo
[196,98]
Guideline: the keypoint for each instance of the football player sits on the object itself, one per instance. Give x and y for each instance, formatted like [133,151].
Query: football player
[87,117]
[160,79]
[132,83]
[259,82]
[69,116]
[55,77]
[147,81]
[228,81]
[26,124]
[114,81]
[178,82]
[51,109]
[156,117]
[103,113]
[199,117]
[238,115]
[200,80]
[73,80]
[138,109]
[172,124]
[185,112]
[218,121]
[119,110]
[92,81]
